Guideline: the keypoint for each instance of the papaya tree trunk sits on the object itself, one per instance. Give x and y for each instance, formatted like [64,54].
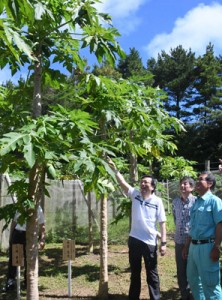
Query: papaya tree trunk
[32,257]
[103,282]
[36,180]
[37,92]
[133,171]
[133,163]
[90,220]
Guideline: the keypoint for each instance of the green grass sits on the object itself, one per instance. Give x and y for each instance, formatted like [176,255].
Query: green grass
[118,232]
[86,268]
[53,282]
[170,223]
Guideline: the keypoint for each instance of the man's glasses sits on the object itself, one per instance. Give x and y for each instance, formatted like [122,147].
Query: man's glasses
[201,179]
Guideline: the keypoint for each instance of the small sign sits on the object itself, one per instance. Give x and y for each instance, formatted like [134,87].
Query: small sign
[69,250]
[17,255]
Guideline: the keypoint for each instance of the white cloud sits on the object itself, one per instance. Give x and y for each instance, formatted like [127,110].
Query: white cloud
[195,30]
[123,13]
[120,8]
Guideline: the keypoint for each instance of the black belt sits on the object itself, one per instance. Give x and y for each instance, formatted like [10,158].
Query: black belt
[20,231]
[198,242]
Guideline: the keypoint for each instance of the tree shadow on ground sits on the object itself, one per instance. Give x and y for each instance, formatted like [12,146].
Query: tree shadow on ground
[90,271]
[11,295]
[65,297]
[171,294]
[54,265]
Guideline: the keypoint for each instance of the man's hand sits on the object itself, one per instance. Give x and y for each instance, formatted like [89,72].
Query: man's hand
[42,244]
[215,253]
[122,182]
[111,163]
[185,251]
[162,250]
[42,236]
[186,247]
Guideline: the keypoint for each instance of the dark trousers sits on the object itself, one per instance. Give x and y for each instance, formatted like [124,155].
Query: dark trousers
[137,250]
[182,272]
[18,237]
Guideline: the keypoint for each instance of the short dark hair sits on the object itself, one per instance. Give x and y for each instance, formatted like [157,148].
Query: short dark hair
[210,177]
[153,180]
[189,179]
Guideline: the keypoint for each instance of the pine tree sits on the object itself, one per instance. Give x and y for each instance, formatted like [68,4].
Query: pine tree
[207,84]
[131,65]
[174,74]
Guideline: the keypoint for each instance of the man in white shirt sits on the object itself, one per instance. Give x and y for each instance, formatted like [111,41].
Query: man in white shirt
[18,236]
[147,210]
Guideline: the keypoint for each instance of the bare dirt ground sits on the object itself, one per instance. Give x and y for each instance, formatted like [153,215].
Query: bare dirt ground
[53,282]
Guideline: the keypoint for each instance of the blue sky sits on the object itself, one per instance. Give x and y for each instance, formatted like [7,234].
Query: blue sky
[154,25]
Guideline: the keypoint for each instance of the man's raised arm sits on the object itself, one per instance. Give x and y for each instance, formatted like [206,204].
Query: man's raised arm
[122,182]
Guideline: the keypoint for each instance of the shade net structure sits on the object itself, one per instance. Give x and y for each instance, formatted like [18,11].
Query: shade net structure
[66,210]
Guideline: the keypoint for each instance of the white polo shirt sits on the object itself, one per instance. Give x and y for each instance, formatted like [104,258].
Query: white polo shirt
[145,215]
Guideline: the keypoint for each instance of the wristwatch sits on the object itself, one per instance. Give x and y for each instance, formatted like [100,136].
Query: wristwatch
[163,243]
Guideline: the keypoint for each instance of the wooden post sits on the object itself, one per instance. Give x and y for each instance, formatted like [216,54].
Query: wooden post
[18,261]
[69,254]
[207,165]
[168,195]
